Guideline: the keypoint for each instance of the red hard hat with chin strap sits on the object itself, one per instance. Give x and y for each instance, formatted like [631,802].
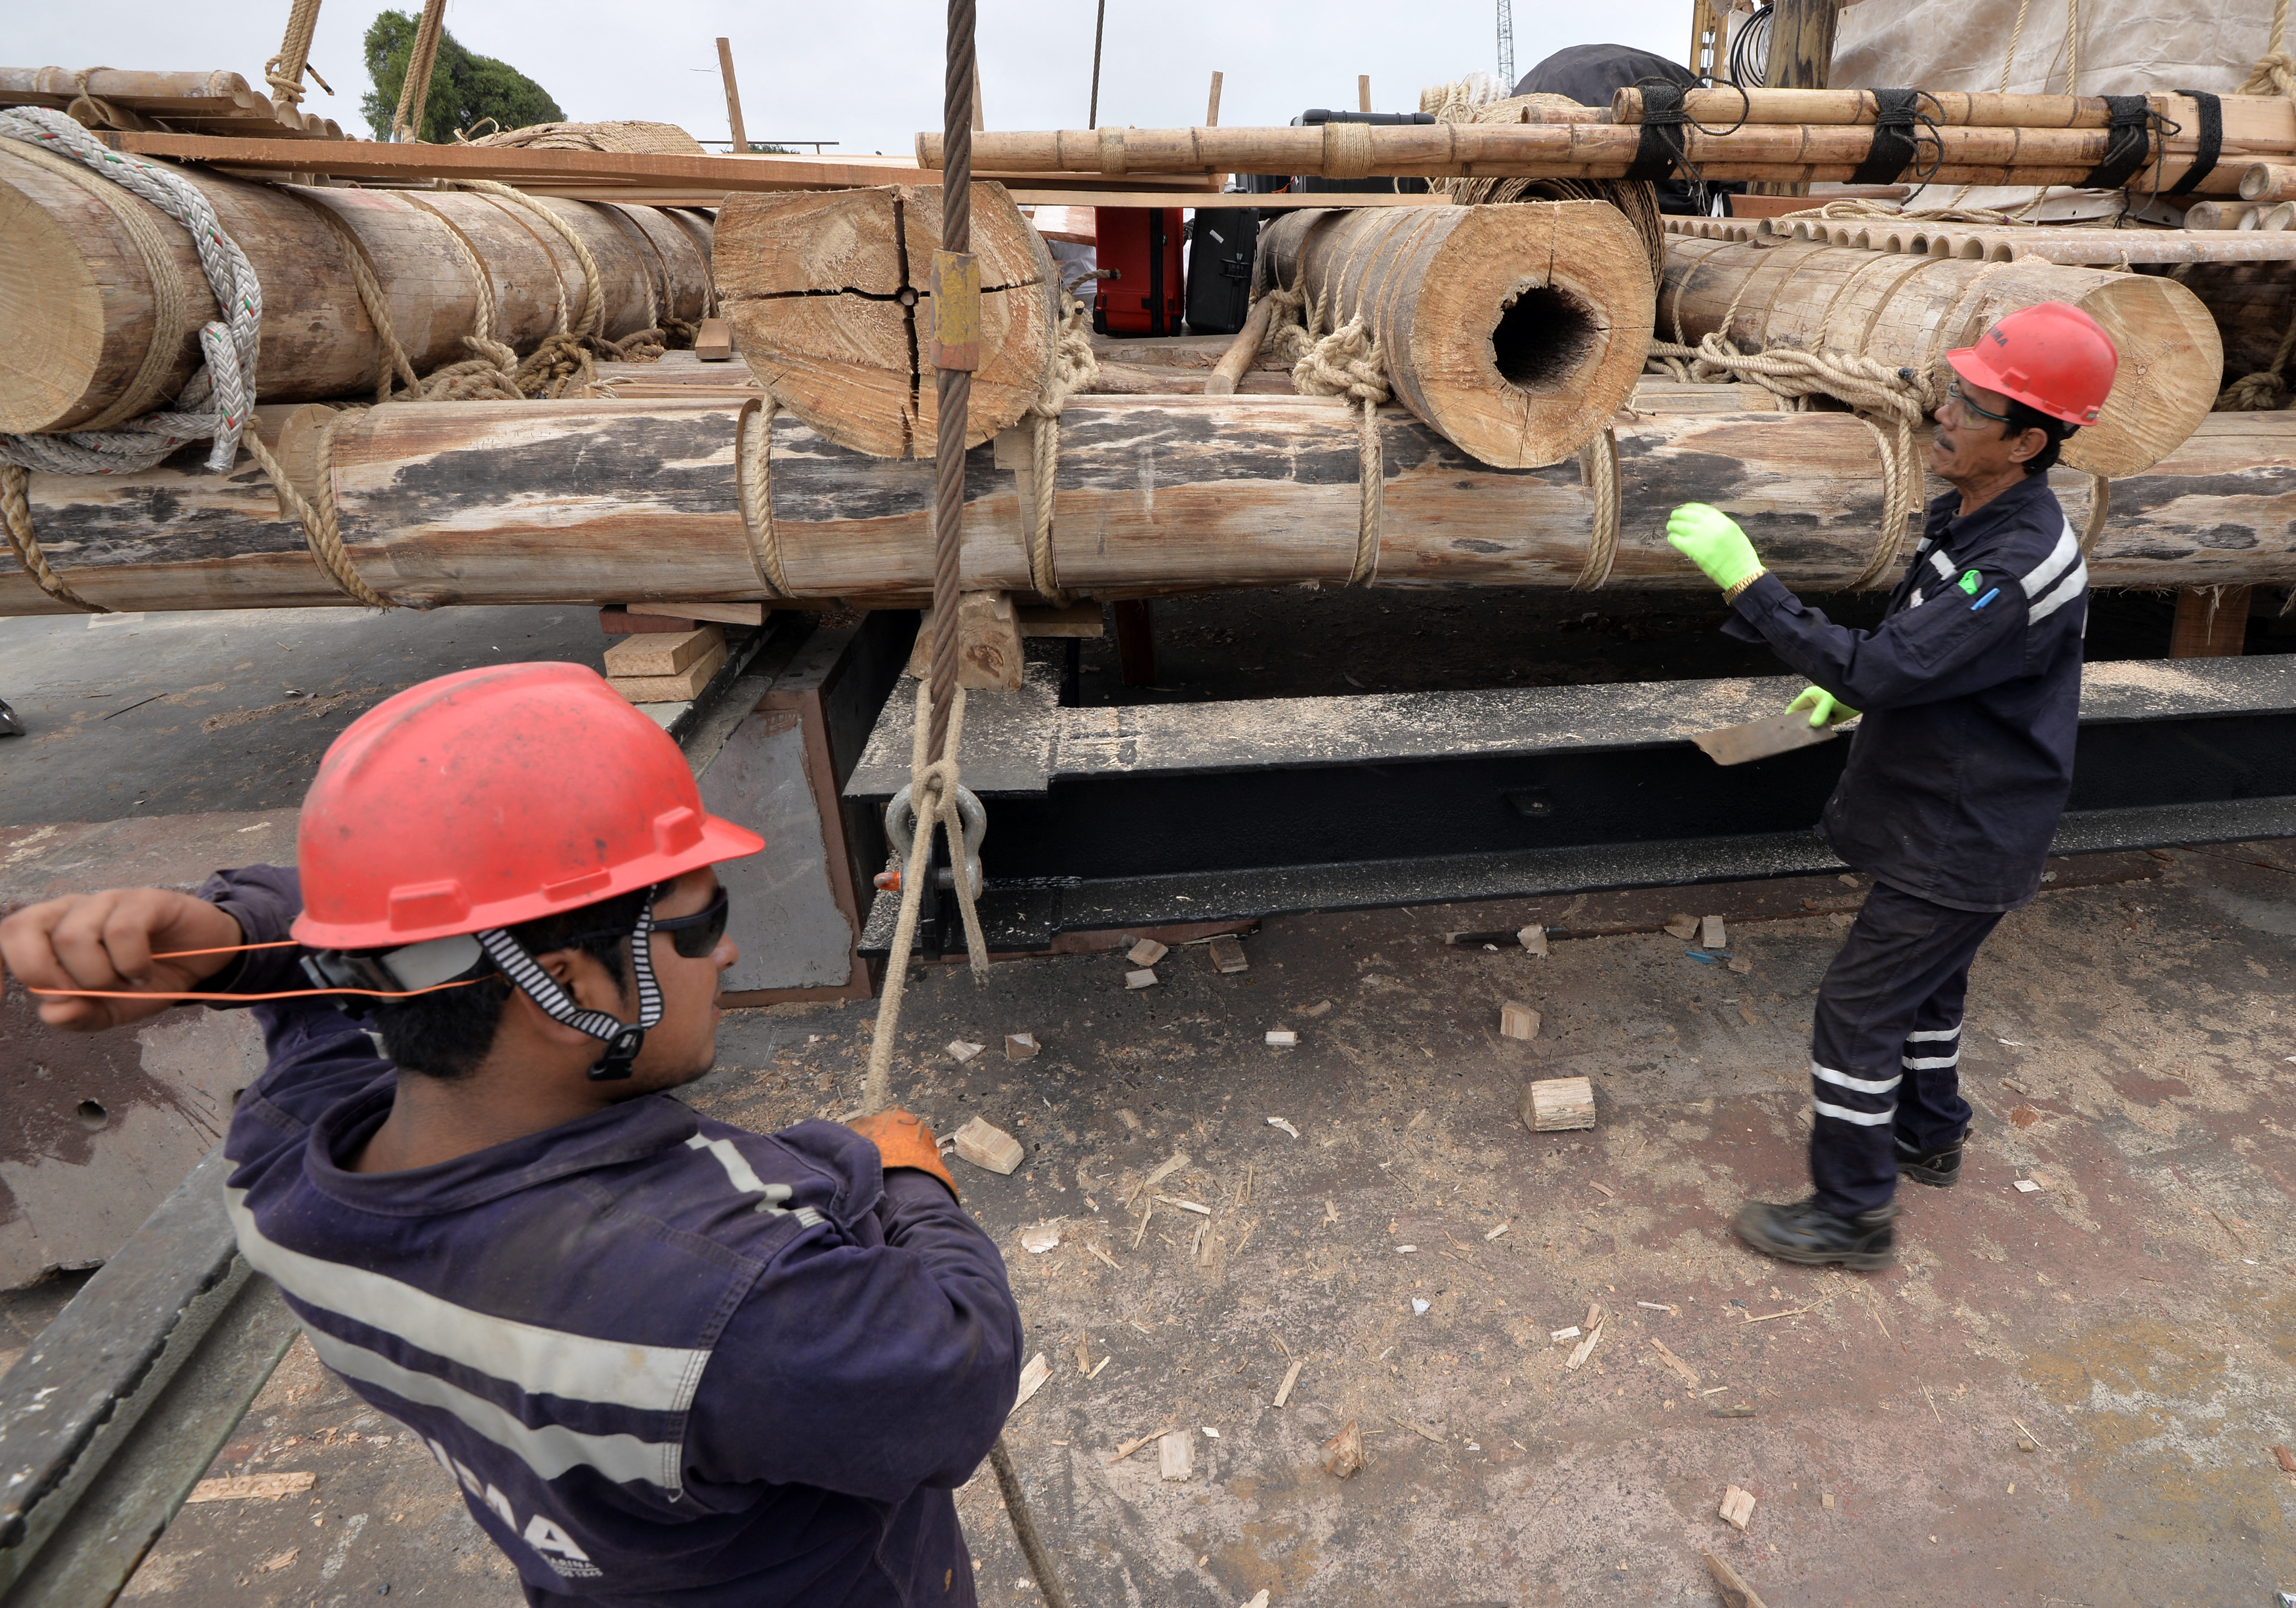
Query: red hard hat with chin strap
[479,800]
[2052,357]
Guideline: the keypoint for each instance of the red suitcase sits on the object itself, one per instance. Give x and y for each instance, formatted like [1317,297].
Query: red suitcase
[1139,252]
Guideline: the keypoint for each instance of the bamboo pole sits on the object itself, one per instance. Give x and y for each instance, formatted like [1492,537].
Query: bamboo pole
[543,502]
[102,314]
[1788,151]
[1516,331]
[1909,311]
[1800,57]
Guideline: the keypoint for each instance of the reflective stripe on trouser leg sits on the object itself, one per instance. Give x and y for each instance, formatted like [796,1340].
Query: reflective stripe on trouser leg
[1902,971]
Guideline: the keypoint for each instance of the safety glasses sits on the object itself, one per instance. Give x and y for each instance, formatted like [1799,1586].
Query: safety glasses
[696,935]
[1955,394]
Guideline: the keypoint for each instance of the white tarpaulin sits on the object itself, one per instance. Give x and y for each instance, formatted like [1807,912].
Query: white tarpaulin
[2116,46]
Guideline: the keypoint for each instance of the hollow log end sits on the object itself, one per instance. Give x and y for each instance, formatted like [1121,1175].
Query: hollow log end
[52,328]
[1532,328]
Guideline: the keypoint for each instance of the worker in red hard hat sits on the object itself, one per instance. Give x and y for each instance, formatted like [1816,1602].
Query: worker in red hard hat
[1956,775]
[668,1361]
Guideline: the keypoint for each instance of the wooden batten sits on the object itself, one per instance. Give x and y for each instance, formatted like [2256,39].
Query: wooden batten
[1515,330]
[829,297]
[638,502]
[1909,311]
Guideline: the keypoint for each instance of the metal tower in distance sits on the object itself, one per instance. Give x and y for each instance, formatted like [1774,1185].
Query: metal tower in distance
[1506,47]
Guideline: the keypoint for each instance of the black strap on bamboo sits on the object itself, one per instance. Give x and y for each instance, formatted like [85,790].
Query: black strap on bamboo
[2211,143]
[1893,148]
[2128,141]
[1661,147]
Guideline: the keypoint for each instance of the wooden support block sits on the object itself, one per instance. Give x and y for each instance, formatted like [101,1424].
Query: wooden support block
[1712,934]
[1021,1046]
[686,684]
[2212,623]
[650,653]
[1518,1021]
[989,655]
[1227,957]
[713,342]
[1144,978]
[1081,620]
[1557,1104]
[1682,925]
[984,1144]
[1147,952]
[724,613]
[1737,1507]
[623,622]
[1176,1455]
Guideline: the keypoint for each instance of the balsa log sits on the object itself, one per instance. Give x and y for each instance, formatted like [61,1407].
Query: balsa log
[1909,311]
[102,295]
[567,502]
[1516,331]
[1767,152]
[831,300]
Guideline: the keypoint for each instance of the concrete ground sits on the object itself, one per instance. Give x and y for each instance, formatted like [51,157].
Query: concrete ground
[2135,1315]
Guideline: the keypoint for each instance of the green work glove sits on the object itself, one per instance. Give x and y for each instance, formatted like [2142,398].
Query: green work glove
[1824,709]
[1710,539]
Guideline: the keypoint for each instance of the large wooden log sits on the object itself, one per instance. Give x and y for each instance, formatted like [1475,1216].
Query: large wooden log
[1769,152]
[542,502]
[1909,311]
[830,298]
[102,295]
[1516,331]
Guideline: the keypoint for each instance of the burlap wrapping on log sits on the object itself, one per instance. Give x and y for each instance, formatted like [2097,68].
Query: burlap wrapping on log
[629,138]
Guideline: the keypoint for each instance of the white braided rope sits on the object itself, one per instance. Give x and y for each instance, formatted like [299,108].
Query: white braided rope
[217,402]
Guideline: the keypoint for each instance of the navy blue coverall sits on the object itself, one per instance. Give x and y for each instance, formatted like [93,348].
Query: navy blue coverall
[1956,779]
[669,1362]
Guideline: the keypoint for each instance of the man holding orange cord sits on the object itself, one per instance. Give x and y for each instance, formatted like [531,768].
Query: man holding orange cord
[669,1361]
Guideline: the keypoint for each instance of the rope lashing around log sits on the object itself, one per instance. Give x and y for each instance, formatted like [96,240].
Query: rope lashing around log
[318,517]
[1074,366]
[215,402]
[16,518]
[1598,469]
[753,479]
[1343,362]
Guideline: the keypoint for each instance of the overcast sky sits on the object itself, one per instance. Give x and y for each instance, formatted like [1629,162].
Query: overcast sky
[868,75]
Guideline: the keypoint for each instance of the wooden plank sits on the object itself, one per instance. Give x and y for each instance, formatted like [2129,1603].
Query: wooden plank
[652,654]
[987,1146]
[704,175]
[675,688]
[1558,1104]
[2212,623]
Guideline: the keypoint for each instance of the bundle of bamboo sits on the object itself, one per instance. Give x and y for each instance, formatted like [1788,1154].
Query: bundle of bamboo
[484,502]
[101,296]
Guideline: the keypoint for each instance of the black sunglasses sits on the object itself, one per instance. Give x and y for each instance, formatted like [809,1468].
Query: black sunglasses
[691,936]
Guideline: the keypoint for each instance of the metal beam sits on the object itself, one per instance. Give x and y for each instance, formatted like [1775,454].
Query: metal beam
[1154,814]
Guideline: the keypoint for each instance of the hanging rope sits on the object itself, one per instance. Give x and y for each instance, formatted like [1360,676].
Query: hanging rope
[1074,367]
[2275,72]
[285,69]
[215,402]
[16,513]
[414,89]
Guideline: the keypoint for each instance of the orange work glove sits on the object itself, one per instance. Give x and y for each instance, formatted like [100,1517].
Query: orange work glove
[903,1140]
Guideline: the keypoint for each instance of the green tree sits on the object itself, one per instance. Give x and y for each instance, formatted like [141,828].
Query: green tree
[465,89]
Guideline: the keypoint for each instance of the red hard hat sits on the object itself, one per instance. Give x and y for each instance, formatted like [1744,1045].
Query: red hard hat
[2051,356]
[492,797]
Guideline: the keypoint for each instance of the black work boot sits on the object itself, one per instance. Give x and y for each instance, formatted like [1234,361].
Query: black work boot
[1941,1170]
[1806,1232]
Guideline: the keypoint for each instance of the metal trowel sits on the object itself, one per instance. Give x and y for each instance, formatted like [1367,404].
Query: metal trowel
[1759,739]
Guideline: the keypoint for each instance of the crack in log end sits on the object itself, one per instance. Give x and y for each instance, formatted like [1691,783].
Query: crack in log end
[908,296]
[1543,334]
[849,290]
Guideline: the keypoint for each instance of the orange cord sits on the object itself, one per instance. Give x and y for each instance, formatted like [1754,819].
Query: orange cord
[251,999]
[284,943]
